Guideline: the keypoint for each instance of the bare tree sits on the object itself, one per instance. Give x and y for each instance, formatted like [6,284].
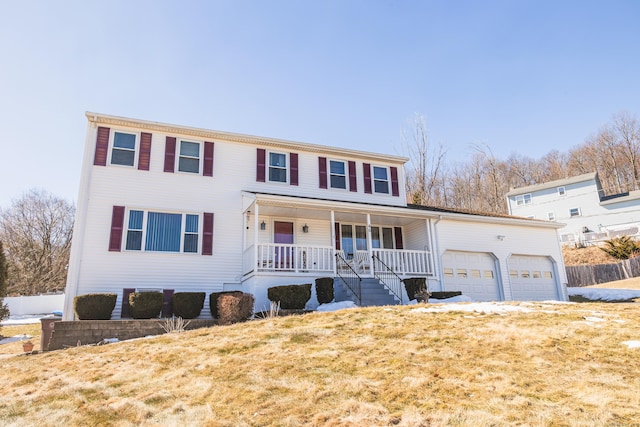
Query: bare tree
[426,179]
[4,310]
[37,232]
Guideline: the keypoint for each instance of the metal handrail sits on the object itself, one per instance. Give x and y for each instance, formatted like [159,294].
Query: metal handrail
[386,276]
[351,279]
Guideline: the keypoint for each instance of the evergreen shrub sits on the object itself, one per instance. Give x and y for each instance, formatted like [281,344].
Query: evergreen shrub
[94,306]
[290,296]
[188,305]
[145,305]
[213,301]
[415,285]
[324,290]
[234,308]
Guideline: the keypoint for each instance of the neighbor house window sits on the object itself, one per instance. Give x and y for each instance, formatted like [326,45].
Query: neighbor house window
[574,212]
[162,232]
[277,167]
[337,174]
[523,199]
[561,191]
[380,180]
[551,216]
[123,151]
[189,157]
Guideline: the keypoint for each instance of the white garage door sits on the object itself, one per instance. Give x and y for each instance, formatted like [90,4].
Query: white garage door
[473,273]
[532,278]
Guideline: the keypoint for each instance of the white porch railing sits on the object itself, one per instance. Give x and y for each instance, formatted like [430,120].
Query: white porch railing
[291,258]
[406,261]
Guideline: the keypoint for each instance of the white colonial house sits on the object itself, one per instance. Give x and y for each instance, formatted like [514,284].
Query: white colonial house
[175,208]
[581,204]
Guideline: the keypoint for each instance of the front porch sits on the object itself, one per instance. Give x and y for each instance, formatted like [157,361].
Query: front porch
[353,242]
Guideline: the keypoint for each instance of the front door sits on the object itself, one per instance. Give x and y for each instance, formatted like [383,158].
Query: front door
[283,237]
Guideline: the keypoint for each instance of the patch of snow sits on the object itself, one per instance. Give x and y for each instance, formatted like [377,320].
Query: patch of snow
[594,319]
[601,294]
[24,319]
[15,338]
[475,307]
[632,344]
[334,306]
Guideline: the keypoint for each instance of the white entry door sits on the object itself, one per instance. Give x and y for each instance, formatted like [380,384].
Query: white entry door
[473,273]
[532,278]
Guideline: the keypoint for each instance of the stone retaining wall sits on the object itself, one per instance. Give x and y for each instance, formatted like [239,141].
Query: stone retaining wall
[67,334]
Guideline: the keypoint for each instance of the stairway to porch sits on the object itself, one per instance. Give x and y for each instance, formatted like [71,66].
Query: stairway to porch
[373,293]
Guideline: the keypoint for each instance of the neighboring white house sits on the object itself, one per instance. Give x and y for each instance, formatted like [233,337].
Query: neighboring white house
[580,203]
[176,208]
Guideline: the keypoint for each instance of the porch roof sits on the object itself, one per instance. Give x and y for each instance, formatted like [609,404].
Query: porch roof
[319,208]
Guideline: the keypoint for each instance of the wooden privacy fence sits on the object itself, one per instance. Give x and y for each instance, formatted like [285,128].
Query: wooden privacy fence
[586,275]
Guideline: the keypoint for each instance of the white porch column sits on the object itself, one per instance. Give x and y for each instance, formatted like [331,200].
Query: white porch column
[369,247]
[255,235]
[333,240]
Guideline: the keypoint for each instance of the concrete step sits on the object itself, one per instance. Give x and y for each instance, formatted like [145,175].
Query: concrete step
[373,293]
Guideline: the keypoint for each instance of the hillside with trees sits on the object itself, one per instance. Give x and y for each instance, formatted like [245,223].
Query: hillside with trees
[481,182]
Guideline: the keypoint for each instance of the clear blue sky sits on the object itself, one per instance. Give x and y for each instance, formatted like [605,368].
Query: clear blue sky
[522,77]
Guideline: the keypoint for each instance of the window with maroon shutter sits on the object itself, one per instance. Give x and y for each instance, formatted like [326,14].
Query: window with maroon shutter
[261,161]
[397,231]
[102,147]
[207,234]
[124,310]
[322,172]
[293,173]
[395,189]
[117,220]
[353,182]
[366,169]
[208,159]
[170,154]
[145,151]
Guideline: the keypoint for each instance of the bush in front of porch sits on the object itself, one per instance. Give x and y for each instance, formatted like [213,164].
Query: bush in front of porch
[290,297]
[188,305]
[324,290]
[94,306]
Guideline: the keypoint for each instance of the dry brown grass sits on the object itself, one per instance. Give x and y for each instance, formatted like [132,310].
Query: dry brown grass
[587,255]
[371,366]
[33,330]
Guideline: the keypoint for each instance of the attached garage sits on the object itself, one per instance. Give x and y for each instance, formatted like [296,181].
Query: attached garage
[532,278]
[473,273]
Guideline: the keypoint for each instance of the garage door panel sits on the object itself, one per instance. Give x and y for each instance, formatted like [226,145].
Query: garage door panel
[532,278]
[472,273]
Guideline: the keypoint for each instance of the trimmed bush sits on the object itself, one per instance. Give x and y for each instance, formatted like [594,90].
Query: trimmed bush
[145,305]
[213,301]
[445,294]
[415,285]
[324,290]
[234,308]
[290,296]
[188,305]
[94,306]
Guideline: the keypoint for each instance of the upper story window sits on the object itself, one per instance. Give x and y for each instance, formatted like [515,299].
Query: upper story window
[189,157]
[523,199]
[162,232]
[277,167]
[574,212]
[337,174]
[380,180]
[123,151]
[561,191]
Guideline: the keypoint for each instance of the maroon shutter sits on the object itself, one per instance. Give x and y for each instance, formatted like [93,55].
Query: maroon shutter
[167,303]
[102,147]
[261,165]
[207,234]
[397,231]
[366,168]
[208,159]
[293,173]
[145,151]
[322,171]
[353,182]
[170,154]
[124,311]
[395,190]
[117,220]
[337,229]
